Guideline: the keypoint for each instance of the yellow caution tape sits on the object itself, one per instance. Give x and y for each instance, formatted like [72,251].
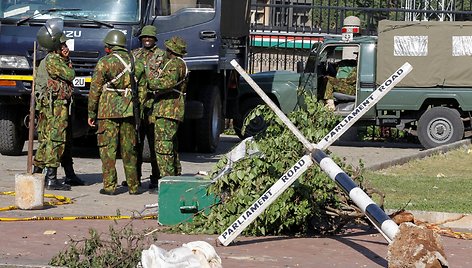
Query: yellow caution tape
[8,208]
[69,218]
[13,77]
[62,200]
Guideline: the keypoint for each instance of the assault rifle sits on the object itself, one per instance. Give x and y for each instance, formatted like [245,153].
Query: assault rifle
[135,98]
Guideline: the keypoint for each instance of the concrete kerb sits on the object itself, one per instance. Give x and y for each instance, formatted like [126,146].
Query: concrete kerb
[421,154]
[448,220]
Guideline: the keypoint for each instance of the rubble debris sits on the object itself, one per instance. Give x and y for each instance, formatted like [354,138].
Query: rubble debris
[402,216]
[416,246]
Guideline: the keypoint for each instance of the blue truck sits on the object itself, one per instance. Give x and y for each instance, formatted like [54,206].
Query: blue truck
[216,31]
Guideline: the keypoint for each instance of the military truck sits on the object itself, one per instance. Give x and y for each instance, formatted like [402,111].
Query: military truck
[216,32]
[433,102]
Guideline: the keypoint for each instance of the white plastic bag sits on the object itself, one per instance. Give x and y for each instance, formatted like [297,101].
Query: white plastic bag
[193,254]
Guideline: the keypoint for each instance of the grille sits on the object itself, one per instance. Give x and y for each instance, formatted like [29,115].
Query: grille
[84,61]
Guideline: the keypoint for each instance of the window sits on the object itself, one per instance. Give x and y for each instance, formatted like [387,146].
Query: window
[169,7]
[410,46]
[462,46]
[103,10]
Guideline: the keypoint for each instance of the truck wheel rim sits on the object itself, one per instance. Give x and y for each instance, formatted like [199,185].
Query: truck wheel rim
[440,130]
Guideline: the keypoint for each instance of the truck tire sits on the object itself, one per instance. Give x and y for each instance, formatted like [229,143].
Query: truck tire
[186,136]
[255,126]
[12,138]
[209,127]
[186,133]
[439,126]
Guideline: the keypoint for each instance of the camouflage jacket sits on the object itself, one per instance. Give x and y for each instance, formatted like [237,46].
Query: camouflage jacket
[54,78]
[149,57]
[168,84]
[110,97]
[146,55]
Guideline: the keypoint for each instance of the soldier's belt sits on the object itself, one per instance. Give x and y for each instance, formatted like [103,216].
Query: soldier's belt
[120,90]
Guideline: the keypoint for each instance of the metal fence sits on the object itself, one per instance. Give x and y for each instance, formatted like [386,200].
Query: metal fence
[282,31]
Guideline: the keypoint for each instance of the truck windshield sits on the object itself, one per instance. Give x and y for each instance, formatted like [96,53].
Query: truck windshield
[70,10]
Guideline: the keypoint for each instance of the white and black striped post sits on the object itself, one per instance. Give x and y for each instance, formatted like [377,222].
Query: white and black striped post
[373,212]
[380,220]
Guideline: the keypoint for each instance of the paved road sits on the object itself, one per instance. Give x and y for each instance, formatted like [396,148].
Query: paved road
[87,199]
[88,166]
[26,243]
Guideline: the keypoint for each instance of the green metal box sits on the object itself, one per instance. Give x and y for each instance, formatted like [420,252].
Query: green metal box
[180,197]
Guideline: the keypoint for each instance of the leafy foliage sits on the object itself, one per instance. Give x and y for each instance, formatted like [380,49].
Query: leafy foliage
[312,205]
[118,248]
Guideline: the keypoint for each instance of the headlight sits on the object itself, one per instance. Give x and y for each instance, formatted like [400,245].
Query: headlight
[17,62]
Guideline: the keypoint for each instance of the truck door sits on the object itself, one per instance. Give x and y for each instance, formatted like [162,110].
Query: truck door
[338,76]
[194,20]
[309,77]
[213,39]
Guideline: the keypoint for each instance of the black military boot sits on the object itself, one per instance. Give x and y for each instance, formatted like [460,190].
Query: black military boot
[153,182]
[37,169]
[51,180]
[71,177]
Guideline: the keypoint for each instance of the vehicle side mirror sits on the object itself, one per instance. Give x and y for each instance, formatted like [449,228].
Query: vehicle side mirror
[300,67]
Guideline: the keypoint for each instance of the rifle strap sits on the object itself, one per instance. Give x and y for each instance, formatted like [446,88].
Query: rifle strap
[179,82]
[128,68]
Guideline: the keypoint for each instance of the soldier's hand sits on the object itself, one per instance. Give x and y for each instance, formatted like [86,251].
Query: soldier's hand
[91,122]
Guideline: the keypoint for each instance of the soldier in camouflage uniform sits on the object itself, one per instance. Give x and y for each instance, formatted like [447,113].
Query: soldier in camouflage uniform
[43,126]
[344,82]
[167,83]
[110,106]
[53,82]
[145,53]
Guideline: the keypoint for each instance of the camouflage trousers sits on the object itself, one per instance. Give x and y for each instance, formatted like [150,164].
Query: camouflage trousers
[342,85]
[53,132]
[111,135]
[165,144]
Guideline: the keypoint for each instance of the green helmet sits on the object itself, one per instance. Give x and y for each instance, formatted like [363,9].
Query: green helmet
[63,38]
[115,38]
[49,35]
[177,45]
[148,30]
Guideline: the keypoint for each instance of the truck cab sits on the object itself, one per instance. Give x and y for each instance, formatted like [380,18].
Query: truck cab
[216,32]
